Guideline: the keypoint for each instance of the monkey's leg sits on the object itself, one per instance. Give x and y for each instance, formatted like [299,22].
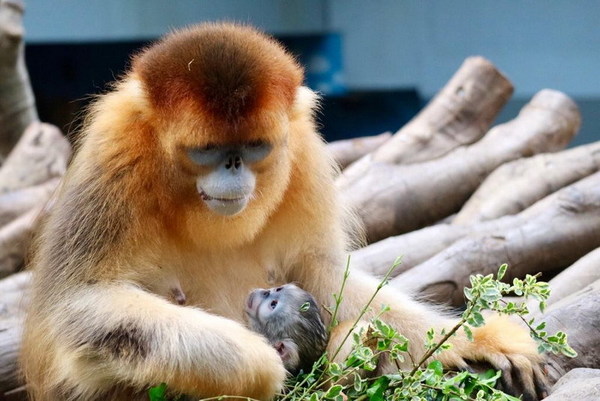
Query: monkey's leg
[120,332]
[502,344]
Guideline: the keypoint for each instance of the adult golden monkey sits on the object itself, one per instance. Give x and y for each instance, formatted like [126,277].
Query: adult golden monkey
[202,168]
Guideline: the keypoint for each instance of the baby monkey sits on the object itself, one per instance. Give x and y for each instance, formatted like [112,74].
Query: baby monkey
[291,321]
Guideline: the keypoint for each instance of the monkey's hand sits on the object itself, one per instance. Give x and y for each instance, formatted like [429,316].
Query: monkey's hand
[505,346]
[144,340]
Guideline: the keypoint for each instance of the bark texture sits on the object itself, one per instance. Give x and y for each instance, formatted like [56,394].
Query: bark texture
[41,154]
[13,300]
[15,238]
[17,104]
[347,151]
[577,315]
[514,186]
[394,199]
[458,115]
[557,231]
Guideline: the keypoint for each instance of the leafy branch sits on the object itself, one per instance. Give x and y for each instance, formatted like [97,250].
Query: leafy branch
[331,381]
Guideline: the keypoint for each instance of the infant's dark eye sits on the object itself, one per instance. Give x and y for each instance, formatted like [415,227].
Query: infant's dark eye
[278,289]
[273,304]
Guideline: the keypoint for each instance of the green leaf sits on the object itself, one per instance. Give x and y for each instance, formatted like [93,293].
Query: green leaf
[359,383]
[437,368]
[334,369]
[305,307]
[468,332]
[158,393]
[568,351]
[377,389]
[476,319]
[502,271]
[333,392]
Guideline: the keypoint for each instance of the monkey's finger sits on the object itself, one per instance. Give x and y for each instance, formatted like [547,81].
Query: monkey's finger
[523,377]
[540,380]
[502,363]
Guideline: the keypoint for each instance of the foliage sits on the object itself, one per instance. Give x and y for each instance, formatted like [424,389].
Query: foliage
[427,381]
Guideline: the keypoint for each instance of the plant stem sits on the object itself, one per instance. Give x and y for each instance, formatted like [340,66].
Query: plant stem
[450,391]
[531,329]
[429,353]
[338,299]
[366,307]
[228,397]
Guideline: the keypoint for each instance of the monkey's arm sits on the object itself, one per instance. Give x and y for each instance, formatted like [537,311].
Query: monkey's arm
[142,340]
[504,345]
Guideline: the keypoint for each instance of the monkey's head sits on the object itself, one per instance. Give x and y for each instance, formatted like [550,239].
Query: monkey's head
[290,319]
[222,98]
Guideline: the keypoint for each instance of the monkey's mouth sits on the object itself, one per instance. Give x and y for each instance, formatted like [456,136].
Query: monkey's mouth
[207,197]
[228,205]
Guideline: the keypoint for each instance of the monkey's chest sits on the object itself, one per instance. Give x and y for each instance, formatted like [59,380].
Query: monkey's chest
[222,286]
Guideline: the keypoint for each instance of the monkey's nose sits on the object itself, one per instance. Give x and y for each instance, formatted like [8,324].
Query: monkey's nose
[233,162]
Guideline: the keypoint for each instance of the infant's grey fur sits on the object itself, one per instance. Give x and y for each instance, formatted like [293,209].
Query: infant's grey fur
[297,327]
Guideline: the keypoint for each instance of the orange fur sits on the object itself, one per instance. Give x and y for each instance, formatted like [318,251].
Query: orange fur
[129,225]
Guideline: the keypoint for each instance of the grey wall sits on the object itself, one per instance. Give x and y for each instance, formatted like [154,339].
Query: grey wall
[537,43]
[95,20]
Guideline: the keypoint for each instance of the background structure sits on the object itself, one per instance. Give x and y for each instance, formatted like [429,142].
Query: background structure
[395,54]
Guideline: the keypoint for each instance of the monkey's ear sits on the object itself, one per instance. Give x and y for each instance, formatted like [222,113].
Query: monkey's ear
[305,102]
[288,351]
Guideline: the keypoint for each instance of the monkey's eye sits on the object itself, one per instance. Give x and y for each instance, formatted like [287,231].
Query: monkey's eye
[278,289]
[208,147]
[273,304]
[255,151]
[208,155]
[255,144]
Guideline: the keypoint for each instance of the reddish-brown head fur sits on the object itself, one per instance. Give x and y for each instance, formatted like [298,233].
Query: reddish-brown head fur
[224,72]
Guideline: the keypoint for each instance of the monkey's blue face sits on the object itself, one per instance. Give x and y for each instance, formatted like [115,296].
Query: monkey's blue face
[229,185]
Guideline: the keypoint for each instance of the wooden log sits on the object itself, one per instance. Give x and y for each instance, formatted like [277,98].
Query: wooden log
[458,115]
[574,278]
[16,203]
[515,186]
[577,315]
[557,231]
[347,151]
[41,154]
[14,241]
[10,341]
[579,384]
[418,246]
[13,300]
[17,104]
[394,199]
[413,248]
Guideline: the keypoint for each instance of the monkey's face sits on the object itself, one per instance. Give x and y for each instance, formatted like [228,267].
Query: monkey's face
[289,317]
[282,312]
[262,304]
[229,181]
[232,169]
